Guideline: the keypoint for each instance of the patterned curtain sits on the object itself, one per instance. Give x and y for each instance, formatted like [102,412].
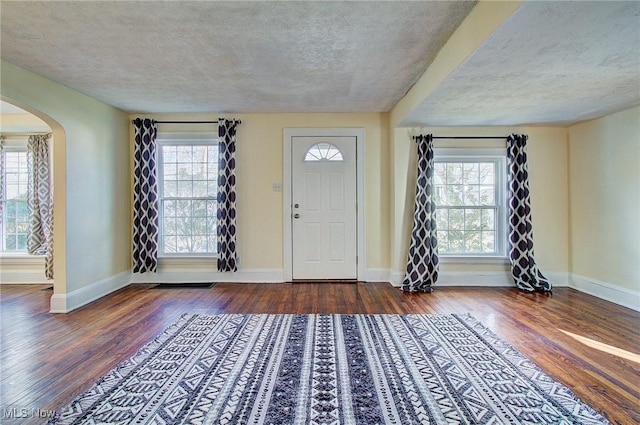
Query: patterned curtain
[227,255]
[422,267]
[145,197]
[40,201]
[523,266]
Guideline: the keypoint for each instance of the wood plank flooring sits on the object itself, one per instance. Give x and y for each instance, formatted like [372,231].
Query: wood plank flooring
[48,359]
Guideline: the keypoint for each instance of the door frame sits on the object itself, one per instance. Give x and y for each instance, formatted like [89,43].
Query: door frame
[287,175]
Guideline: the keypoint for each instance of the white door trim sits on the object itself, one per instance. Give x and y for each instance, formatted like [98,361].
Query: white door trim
[288,134]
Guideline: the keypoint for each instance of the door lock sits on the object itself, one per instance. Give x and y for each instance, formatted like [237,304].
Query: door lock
[296,215]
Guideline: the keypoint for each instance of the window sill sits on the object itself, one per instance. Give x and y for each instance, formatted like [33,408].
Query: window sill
[186,260]
[19,259]
[459,259]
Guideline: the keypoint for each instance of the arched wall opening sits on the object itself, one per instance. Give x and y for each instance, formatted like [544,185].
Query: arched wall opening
[57,150]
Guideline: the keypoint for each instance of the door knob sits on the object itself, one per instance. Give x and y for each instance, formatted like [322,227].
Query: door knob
[296,215]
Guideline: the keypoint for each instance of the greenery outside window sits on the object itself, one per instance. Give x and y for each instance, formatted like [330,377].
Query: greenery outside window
[470,193]
[187,189]
[15,216]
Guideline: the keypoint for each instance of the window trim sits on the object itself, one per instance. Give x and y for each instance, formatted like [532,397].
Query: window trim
[499,157]
[179,138]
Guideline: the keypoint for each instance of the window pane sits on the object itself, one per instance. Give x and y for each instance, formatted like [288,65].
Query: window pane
[170,171]
[473,243]
[456,241]
[460,189]
[185,189]
[200,188]
[487,173]
[10,242]
[471,195]
[456,219]
[471,173]
[454,195]
[323,152]
[22,242]
[454,173]
[443,241]
[487,195]
[170,189]
[184,154]
[489,242]
[190,174]
[488,219]
[442,220]
[169,154]
[169,226]
[472,219]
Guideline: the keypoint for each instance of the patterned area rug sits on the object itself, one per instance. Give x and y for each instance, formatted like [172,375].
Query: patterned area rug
[328,369]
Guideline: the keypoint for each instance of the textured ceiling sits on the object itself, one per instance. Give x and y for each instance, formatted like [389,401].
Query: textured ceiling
[231,57]
[550,62]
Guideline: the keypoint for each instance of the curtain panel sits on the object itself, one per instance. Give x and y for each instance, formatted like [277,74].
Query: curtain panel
[145,197]
[423,265]
[227,254]
[523,266]
[40,200]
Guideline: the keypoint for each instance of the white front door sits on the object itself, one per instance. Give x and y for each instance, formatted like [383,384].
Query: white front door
[324,207]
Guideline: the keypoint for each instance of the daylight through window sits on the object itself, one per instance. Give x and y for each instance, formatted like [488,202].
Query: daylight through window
[470,206]
[188,192]
[15,216]
[323,152]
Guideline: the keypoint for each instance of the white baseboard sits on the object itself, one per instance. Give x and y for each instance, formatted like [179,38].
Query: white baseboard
[22,269]
[463,278]
[377,275]
[209,275]
[497,278]
[557,279]
[23,277]
[64,303]
[607,291]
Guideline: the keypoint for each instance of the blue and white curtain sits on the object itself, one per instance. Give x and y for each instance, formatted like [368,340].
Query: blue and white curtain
[423,265]
[145,197]
[227,250]
[40,200]
[523,266]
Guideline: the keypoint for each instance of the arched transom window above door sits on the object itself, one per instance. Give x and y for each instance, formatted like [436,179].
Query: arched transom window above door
[323,152]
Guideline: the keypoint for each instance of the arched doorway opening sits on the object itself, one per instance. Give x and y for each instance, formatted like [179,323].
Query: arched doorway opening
[18,123]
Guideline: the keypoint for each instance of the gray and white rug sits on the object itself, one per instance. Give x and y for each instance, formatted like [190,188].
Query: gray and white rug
[328,369]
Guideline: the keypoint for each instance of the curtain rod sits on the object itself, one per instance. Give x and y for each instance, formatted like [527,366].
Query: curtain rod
[190,122]
[187,122]
[467,137]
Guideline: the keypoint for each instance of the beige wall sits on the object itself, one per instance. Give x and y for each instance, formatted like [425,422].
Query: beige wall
[604,161]
[91,177]
[260,164]
[548,174]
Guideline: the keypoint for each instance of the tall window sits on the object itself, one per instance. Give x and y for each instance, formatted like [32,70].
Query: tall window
[188,187]
[15,216]
[470,199]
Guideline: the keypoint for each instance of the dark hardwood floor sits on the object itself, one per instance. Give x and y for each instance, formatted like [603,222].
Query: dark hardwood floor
[49,359]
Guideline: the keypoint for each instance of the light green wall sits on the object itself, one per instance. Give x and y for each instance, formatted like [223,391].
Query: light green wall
[604,160]
[260,164]
[91,177]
